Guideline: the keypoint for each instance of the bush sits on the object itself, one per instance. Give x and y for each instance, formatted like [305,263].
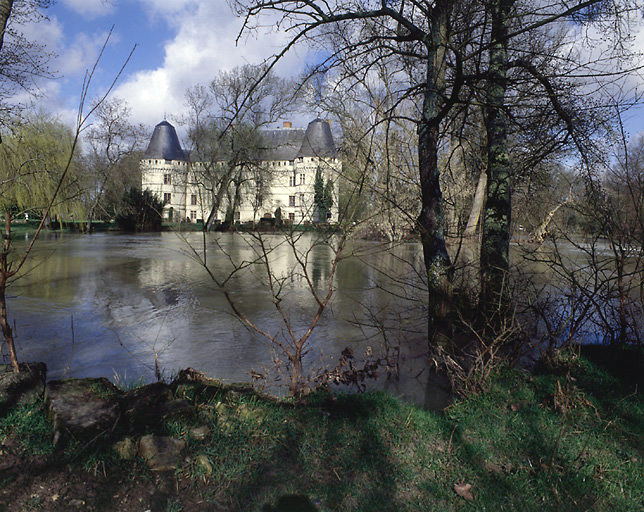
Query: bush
[141,211]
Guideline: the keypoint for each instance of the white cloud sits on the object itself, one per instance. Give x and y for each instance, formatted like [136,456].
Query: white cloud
[80,54]
[203,45]
[165,7]
[48,32]
[90,9]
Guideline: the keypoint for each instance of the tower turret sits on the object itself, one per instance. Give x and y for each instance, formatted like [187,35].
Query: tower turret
[318,140]
[164,144]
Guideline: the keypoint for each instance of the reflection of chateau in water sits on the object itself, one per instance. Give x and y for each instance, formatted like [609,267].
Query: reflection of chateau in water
[131,298]
[281,176]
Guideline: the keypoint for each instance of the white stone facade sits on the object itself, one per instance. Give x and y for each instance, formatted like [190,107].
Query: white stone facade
[288,185]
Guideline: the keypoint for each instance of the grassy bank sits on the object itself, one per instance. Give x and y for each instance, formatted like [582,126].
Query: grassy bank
[551,441]
[30,227]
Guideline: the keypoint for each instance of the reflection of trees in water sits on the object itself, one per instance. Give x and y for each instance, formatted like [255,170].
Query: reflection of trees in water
[320,264]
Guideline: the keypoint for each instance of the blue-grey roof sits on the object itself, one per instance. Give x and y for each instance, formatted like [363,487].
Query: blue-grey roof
[318,140]
[164,144]
[281,144]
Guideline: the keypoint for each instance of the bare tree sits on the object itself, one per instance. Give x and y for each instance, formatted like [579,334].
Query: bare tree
[420,33]
[441,47]
[11,265]
[22,61]
[563,103]
[113,140]
[225,119]
[276,277]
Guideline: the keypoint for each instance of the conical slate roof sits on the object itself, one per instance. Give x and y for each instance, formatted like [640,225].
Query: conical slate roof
[318,140]
[164,144]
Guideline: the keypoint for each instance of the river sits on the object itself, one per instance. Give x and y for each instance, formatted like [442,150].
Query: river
[114,305]
[111,304]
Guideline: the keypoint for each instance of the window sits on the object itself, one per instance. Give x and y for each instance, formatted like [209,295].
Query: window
[291,181]
[193,199]
[301,199]
[291,200]
[302,179]
[291,217]
[291,162]
[193,215]
[237,216]
[167,198]
[260,201]
[167,179]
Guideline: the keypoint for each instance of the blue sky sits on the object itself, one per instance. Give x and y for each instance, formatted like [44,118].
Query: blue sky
[180,43]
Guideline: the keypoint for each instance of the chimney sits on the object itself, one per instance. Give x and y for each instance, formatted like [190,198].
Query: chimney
[287,124]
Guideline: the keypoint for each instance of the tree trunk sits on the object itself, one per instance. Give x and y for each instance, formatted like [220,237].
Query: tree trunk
[539,234]
[4,275]
[477,206]
[495,246]
[216,200]
[5,12]
[296,372]
[236,199]
[431,222]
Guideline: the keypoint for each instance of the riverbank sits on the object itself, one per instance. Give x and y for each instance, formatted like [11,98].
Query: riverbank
[567,438]
[30,227]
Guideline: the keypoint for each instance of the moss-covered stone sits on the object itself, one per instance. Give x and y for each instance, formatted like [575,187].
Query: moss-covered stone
[83,408]
[203,463]
[161,453]
[23,388]
[126,449]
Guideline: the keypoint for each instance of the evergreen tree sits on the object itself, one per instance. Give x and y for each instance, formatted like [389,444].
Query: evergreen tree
[327,199]
[319,197]
[278,218]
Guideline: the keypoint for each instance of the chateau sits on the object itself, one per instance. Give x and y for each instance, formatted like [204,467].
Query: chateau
[281,175]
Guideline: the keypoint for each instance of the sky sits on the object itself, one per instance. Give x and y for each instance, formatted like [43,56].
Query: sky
[179,43]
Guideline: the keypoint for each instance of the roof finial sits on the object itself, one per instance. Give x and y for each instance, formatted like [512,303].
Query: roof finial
[165,117]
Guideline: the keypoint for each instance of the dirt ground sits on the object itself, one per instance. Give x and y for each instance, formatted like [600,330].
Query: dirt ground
[38,483]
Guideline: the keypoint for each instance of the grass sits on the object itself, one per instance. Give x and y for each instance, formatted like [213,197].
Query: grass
[28,427]
[20,228]
[551,441]
[544,442]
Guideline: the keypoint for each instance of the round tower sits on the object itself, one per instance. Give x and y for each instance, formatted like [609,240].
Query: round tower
[164,171]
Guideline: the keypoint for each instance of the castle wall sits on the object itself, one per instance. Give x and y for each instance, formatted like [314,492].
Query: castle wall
[167,179]
[287,184]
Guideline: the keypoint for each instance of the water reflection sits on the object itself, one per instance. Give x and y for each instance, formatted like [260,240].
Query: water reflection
[93,305]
